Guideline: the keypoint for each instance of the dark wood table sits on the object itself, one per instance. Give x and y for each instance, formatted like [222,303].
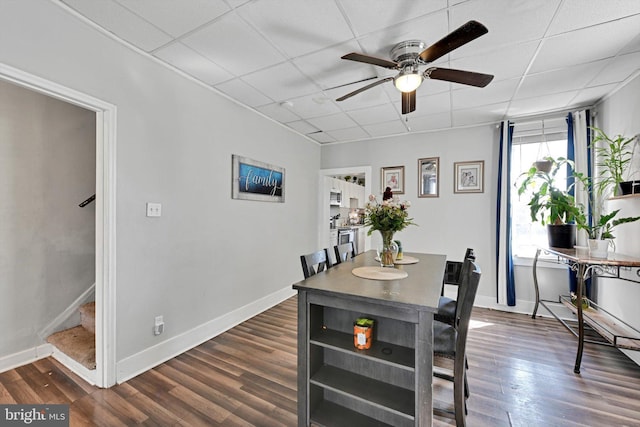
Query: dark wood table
[389,384]
[614,330]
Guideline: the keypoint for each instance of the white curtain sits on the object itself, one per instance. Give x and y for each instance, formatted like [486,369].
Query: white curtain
[581,123]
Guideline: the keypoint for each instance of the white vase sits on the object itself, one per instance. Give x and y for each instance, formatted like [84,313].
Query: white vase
[598,248]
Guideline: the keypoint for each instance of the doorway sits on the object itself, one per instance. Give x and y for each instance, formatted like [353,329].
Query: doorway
[323,201]
[105,114]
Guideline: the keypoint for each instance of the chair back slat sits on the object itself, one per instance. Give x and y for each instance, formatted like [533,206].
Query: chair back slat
[315,262]
[344,252]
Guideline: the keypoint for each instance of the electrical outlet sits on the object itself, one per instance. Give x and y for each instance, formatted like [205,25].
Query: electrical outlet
[154,209]
[158,327]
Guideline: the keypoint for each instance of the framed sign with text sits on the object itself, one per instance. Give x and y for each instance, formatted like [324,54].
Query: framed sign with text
[255,180]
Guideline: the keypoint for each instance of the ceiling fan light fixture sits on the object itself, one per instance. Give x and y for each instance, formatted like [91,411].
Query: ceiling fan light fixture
[407,82]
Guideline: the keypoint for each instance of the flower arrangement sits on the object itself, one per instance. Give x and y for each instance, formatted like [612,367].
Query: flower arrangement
[387,217]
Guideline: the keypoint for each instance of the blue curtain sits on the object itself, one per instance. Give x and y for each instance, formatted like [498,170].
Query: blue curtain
[504,258]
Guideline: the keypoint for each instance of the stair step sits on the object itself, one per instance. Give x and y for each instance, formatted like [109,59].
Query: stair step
[77,343]
[88,316]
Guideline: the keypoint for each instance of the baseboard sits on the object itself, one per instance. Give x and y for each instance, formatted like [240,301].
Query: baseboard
[148,358]
[71,310]
[25,357]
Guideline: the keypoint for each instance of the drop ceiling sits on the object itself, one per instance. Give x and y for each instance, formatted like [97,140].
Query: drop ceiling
[282,57]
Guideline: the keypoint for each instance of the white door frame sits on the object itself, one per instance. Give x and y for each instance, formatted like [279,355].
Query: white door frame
[105,211]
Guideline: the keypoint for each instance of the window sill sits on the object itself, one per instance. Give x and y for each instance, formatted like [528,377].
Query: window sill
[543,262]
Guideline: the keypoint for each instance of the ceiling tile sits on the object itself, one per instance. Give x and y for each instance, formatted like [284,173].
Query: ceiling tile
[371,115]
[508,22]
[592,95]
[332,122]
[429,122]
[575,14]
[263,52]
[368,98]
[559,81]
[540,104]
[313,106]
[504,63]
[586,45]
[321,137]
[350,134]
[281,82]
[230,42]
[192,63]
[122,22]
[618,69]
[474,116]
[381,14]
[394,127]
[428,103]
[244,93]
[428,29]
[278,112]
[328,70]
[302,126]
[177,18]
[298,27]
[493,93]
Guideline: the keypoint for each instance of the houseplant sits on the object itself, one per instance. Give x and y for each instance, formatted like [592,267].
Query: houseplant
[614,157]
[600,228]
[388,217]
[549,204]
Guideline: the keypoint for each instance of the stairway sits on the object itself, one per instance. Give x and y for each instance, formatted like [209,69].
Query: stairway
[79,342]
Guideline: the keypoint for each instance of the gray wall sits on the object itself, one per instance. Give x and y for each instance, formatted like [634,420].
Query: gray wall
[619,114]
[47,243]
[208,255]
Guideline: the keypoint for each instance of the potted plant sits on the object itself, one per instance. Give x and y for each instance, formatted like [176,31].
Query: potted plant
[552,206]
[600,229]
[614,157]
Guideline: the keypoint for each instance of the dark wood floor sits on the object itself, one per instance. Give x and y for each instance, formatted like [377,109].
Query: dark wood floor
[520,374]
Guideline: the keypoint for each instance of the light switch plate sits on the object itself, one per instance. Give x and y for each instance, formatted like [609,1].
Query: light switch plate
[154,209]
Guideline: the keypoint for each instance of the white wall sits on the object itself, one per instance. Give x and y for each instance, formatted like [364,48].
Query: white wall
[208,255]
[620,114]
[47,248]
[447,224]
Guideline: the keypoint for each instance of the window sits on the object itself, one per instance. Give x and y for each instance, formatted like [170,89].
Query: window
[532,141]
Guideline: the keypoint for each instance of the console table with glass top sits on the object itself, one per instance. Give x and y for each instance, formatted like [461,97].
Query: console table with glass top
[615,331]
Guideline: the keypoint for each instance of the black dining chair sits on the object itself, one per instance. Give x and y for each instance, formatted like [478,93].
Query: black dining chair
[344,252]
[450,342]
[453,275]
[315,262]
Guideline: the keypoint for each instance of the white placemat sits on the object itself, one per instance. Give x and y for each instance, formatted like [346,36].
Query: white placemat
[404,261]
[379,273]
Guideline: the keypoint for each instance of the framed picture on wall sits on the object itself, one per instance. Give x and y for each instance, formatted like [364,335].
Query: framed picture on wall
[255,180]
[392,177]
[428,170]
[468,177]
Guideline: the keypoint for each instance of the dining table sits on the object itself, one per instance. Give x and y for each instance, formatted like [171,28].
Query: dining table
[390,383]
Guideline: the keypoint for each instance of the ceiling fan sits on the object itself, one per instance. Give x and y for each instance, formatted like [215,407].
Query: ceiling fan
[408,56]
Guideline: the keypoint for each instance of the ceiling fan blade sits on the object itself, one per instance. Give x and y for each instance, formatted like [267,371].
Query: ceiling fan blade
[362,89]
[463,35]
[352,83]
[408,102]
[458,76]
[361,57]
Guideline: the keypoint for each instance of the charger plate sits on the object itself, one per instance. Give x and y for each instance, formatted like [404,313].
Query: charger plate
[406,259]
[379,273]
